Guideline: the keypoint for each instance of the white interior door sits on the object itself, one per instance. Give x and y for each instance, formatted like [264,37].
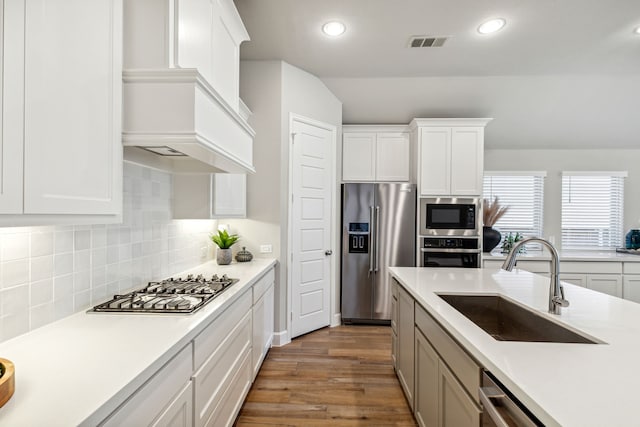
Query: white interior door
[312,184]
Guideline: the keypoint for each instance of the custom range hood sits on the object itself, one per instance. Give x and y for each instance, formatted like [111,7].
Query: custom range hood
[175,120]
[182,110]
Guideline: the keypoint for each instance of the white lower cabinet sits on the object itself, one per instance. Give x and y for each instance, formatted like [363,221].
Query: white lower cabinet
[455,407]
[426,406]
[206,382]
[445,379]
[263,319]
[224,350]
[574,279]
[394,323]
[159,399]
[179,413]
[405,355]
[610,284]
[631,287]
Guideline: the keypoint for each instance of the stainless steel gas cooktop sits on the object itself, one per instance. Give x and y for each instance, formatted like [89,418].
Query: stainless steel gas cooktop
[169,296]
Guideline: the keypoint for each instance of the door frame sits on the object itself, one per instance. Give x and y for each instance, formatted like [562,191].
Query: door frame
[334,315]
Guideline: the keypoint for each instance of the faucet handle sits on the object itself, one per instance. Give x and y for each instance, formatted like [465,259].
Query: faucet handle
[560,301]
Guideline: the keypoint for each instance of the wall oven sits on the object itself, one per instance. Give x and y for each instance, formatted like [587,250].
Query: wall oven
[450,252]
[449,216]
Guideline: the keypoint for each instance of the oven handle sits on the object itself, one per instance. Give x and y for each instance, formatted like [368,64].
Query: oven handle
[452,251]
[489,408]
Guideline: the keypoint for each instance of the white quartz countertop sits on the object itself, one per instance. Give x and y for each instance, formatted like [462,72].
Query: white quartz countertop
[562,384]
[77,370]
[587,256]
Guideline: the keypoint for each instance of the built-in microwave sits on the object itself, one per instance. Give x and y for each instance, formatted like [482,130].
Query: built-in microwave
[449,216]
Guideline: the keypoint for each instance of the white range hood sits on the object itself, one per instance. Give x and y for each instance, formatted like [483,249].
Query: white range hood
[175,120]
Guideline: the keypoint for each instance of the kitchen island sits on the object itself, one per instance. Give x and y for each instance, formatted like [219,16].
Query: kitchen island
[82,369]
[561,384]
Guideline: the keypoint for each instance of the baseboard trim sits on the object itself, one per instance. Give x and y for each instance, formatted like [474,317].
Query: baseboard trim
[280,338]
[336,320]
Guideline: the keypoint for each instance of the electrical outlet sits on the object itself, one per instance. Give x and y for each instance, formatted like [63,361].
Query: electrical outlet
[266,249]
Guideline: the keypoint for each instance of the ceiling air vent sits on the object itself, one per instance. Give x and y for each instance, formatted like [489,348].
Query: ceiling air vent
[427,41]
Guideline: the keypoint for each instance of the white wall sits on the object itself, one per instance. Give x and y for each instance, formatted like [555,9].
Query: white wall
[556,161]
[272,90]
[47,273]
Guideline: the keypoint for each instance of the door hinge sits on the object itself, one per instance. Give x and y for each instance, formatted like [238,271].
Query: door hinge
[291,316]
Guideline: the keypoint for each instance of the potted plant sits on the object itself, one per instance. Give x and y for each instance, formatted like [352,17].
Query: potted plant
[510,240]
[491,213]
[224,241]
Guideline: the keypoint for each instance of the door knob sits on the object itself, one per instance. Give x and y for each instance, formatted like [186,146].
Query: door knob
[328,252]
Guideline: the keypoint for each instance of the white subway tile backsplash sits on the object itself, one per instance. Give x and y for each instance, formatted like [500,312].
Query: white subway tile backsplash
[41,292]
[14,273]
[81,281]
[47,273]
[62,264]
[41,243]
[14,246]
[63,241]
[62,287]
[81,240]
[98,236]
[81,260]
[42,314]
[41,267]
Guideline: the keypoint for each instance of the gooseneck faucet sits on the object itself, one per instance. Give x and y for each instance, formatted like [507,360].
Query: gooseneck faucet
[556,291]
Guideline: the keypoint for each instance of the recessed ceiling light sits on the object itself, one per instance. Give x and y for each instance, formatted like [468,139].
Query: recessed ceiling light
[637,31]
[492,26]
[333,28]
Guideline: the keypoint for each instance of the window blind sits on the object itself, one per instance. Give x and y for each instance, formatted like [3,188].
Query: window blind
[592,210]
[523,192]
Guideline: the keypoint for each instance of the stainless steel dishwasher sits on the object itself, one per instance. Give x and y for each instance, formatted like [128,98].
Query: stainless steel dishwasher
[501,408]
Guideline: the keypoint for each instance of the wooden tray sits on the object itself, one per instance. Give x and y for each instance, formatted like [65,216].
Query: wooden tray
[7,381]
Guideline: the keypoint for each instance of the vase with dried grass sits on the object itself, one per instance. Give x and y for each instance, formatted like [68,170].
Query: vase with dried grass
[491,213]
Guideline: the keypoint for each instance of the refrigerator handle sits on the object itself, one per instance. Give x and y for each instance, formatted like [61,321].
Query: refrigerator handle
[375,258]
[372,237]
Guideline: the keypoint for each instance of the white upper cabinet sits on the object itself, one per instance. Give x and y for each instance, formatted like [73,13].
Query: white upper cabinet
[375,153]
[451,156]
[181,84]
[61,100]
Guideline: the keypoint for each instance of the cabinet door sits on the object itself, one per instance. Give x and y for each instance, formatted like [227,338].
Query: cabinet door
[11,107]
[435,161]
[392,157]
[405,357]
[72,107]
[179,413]
[426,400]
[358,156]
[467,151]
[606,283]
[575,279]
[229,199]
[456,408]
[631,287]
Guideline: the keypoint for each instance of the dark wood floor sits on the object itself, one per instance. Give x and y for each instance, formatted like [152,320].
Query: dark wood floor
[335,376]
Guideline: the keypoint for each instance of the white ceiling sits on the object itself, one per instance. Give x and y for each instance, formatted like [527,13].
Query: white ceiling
[561,74]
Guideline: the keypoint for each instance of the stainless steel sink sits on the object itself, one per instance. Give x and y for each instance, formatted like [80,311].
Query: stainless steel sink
[507,321]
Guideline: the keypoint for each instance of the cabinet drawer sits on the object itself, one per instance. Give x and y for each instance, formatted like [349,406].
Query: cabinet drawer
[152,399]
[216,376]
[231,401]
[631,267]
[601,267]
[216,332]
[461,364]
[262,284]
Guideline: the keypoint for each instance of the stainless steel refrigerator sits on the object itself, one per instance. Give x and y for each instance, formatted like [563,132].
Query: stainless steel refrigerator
[378,231]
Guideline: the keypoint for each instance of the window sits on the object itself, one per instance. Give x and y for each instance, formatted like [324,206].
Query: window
[523,193]
[592,206]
